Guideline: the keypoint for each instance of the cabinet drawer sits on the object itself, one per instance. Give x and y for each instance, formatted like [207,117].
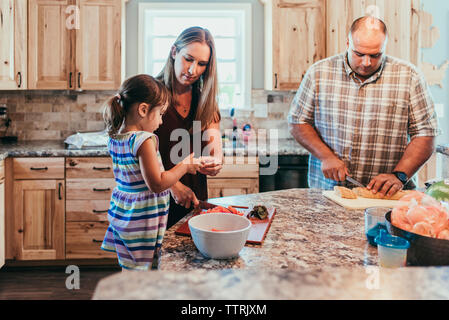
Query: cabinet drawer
[38,168]
[91,168]
[86,210]
[239,167]
[89,189]
[218,188]
[83,240]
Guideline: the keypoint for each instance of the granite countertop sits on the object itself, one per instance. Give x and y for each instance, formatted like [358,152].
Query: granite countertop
[314,249]
[54,148]
[328,283]
[443,148]
[308,231]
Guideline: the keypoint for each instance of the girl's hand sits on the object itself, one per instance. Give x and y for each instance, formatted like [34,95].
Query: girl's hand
[183,195]
[193,164]
[210,166]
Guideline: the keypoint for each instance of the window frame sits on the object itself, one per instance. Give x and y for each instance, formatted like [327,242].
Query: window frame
[243,57]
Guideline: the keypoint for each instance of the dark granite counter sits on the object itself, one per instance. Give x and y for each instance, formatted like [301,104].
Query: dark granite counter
[51,148]
[44,148]
[314,249]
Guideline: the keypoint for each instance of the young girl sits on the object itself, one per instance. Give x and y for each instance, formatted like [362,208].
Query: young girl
[140,201]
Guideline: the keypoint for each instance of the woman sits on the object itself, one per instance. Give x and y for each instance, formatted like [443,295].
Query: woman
[190,74]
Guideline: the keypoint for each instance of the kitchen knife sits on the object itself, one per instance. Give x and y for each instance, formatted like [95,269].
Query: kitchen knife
[353,181]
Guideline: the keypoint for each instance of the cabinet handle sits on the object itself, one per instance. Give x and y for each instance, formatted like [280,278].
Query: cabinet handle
[19,75]
[79,80]
[70,79]
[37,169]
[275,80]
[105,168]
[107,189]
[100,211]
[97,241]
[59,191]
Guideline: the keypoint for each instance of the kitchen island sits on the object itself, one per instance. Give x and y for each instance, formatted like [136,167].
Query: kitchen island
[314,249]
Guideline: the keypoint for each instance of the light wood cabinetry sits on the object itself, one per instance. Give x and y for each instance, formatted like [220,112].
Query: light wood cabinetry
[98,45]
[401,18]
[39,217]
[239,175]
[2,213]
[13,48]
[74,44]
[90,182]
[295,38]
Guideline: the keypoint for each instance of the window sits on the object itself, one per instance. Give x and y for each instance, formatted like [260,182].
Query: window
[229,24]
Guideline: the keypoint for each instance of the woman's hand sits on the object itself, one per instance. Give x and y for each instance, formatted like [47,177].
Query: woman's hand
[183,195]
[210,166]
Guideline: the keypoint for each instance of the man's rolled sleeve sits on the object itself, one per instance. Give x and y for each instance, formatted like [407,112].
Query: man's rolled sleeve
[303,105]
[422,117]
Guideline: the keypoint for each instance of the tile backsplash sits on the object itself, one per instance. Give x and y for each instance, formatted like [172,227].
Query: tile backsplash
[54,115]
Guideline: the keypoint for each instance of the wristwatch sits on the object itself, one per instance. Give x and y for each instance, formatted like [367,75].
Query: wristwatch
[401,176]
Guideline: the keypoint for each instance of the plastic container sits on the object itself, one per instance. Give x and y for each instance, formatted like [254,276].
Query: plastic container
[374,222]
[392,250]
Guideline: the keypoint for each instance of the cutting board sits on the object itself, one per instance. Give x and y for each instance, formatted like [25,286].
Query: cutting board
[359,203]
[257,232]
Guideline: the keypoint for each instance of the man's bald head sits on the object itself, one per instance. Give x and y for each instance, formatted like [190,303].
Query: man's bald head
[368,24]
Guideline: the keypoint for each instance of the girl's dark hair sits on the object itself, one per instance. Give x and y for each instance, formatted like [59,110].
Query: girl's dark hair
[141,88]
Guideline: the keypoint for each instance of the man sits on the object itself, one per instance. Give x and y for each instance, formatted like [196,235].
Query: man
[364,114]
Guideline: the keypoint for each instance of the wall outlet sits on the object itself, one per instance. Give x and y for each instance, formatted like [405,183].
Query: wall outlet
[261,110]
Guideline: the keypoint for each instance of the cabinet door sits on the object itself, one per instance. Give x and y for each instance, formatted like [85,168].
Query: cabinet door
[2,223]
[49,45]
[13,48]
[218,188]
[401,18]
[98,45]
[39,219]
[297,36]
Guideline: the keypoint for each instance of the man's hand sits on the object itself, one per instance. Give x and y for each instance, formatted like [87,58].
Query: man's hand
[386,184]
[334,168]
[183,195]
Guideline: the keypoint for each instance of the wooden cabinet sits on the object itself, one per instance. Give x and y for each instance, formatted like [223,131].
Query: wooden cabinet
[401,18]
[74,44]
[239,175]
[90,182]
[295,38]
[13,48]
[2,214]
[98,45]
[39,216]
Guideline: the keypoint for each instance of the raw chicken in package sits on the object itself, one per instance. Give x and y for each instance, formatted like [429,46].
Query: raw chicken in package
[422,214]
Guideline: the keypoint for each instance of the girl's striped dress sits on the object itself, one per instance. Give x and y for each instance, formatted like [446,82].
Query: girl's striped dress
[137,216]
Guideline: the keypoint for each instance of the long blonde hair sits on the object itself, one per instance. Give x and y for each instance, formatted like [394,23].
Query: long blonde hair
[207,110]
[137,89]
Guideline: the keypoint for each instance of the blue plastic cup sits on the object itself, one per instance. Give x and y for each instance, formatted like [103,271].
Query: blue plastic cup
[374,222]
[392,250]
